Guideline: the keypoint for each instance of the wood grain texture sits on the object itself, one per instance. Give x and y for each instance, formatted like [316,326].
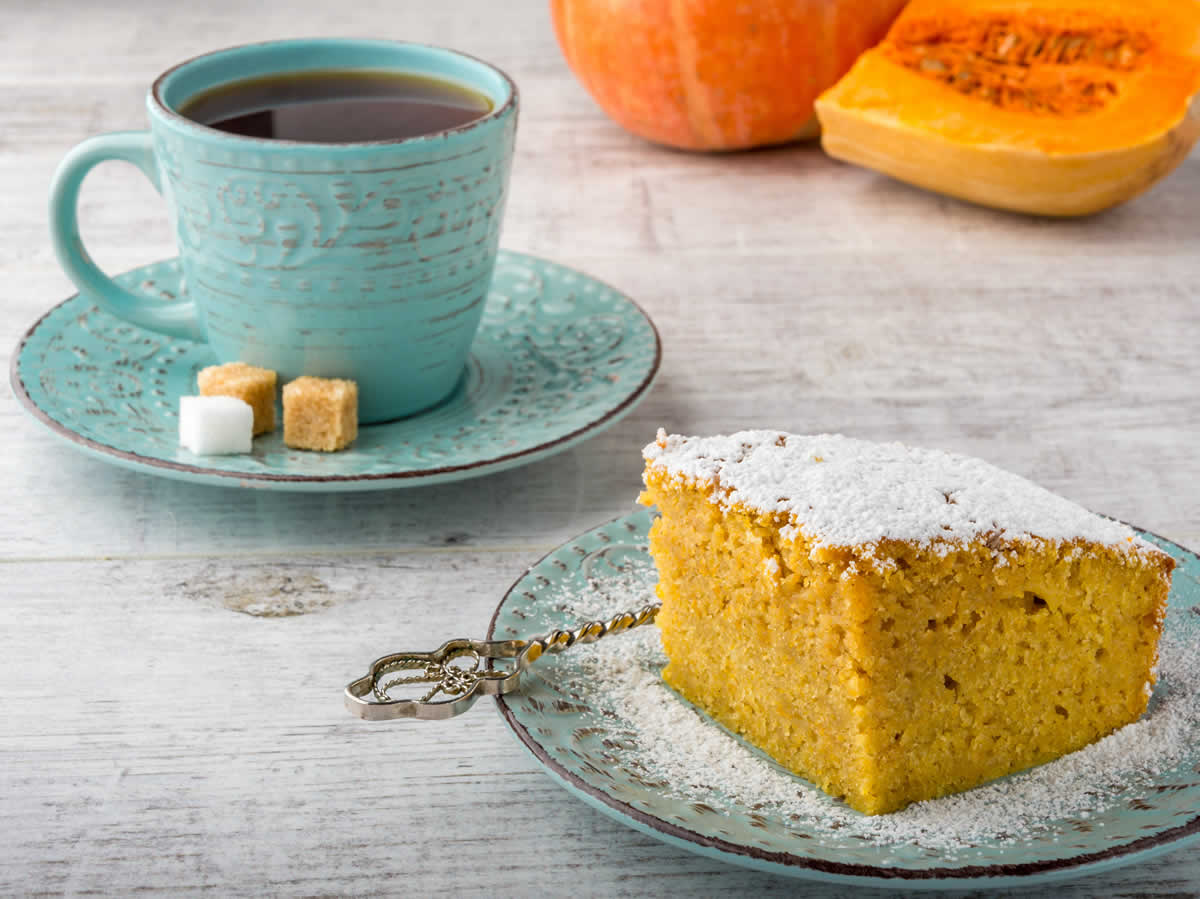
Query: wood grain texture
[195,747]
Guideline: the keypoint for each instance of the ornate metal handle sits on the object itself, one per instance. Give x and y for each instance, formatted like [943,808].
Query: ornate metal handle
[454,670]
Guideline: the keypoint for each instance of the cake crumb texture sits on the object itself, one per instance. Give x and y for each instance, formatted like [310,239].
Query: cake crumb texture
[320,413]
[880,648]
[250,384]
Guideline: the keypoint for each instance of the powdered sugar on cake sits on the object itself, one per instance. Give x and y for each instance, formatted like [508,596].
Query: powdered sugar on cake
[840,491]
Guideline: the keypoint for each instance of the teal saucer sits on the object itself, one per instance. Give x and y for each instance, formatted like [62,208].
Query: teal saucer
[578,727]
[558,358]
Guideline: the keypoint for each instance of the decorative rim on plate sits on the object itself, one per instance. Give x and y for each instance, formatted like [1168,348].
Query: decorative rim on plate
[539,724]
[559,357]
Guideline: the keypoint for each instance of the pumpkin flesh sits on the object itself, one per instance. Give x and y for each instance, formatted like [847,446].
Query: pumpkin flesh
[1058,107]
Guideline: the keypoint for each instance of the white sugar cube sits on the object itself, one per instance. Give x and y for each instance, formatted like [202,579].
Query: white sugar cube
[214,425]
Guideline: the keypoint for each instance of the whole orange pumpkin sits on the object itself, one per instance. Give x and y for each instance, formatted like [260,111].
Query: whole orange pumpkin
[716,74]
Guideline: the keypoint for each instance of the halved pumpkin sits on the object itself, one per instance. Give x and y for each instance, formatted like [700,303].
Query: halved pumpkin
[1054,107]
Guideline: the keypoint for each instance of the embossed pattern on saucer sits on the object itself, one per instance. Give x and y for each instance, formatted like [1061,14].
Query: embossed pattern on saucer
[558,358]
[572,730]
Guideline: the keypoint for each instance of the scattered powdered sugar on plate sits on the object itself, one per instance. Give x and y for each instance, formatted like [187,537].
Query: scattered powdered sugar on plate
[697,760]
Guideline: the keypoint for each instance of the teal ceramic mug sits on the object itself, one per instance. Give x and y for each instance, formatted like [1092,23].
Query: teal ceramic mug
[368,261]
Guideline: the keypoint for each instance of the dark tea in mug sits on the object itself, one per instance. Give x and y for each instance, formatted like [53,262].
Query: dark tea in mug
[337,106]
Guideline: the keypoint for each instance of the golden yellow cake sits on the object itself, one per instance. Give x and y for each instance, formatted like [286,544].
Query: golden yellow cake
[248,383]
[892,623]
[320,413]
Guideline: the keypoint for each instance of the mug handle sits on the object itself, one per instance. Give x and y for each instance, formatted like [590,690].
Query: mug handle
[175,318]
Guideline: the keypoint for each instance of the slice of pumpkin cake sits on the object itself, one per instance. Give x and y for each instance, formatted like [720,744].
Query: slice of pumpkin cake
[892,623]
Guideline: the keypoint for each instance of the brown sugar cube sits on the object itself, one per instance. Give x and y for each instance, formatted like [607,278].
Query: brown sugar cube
[253,386]
[320,413]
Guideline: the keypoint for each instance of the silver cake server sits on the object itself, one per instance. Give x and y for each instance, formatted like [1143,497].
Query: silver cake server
[460,671]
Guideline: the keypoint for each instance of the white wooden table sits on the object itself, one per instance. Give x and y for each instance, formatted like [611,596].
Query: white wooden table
[155,735]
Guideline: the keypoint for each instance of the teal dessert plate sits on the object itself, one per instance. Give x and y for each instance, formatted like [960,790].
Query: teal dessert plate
[558,358]
[601,722]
